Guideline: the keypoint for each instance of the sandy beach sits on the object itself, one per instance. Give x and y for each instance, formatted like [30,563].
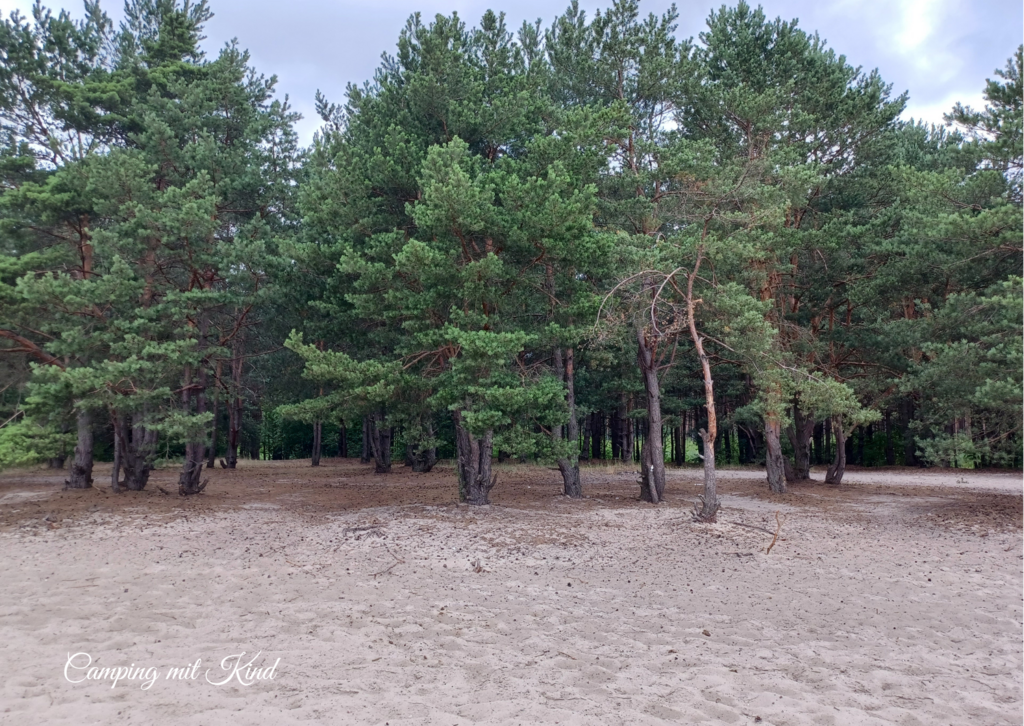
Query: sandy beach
[894,599]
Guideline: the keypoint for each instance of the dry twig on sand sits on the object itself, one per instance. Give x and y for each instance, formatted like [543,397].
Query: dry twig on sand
[778,528]
[398,561]
[750,526]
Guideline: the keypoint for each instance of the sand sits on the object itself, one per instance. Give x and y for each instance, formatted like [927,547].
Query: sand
[879,603]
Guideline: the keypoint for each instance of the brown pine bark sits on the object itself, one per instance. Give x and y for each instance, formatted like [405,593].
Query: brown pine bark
[135,447]
[838,465]
[81,464]
[211,455]
[474,464]
[568,466]
[318,432]
[774,460]
[193,399]
[890,452]
[707,509]
[115,472]
[587,430]
[799,434]
[652,453]
[364,456]
[380,443]
[235,409]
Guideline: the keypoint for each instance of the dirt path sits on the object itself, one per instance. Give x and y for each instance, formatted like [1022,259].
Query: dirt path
[389,604]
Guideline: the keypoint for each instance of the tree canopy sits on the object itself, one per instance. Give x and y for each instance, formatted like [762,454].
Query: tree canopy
[593,240]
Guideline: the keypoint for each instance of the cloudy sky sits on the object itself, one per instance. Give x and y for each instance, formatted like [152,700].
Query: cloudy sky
[940,51]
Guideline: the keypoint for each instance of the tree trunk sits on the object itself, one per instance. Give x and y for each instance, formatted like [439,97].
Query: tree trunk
[909,445]
[597,435]
[380,443]
[707,509]
[211,455]
[364,455]
[474,464]
[422,459]
[799,434]
[135,447]
[318,433]
[614,435]
[192,468]
[838,466]
[254,442]
[569,465]
[115,472]
[681,441]
[342,441]
[818,438]
[774,460]
[234,431]
[587,431]
[81,465]
[890,452]
[630,424]
[652,464]
[235,408]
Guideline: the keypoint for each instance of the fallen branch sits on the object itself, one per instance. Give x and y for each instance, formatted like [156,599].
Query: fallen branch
[398,561]
[778,529]
[750,526]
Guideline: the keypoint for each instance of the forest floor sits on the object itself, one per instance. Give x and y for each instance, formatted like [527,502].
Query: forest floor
[895,598]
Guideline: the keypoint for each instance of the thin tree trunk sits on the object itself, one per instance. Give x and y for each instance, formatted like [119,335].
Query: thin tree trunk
[569,465]
[614,433]
[342,441]
[318,432]
[254,442]
[652,465]
[115,472]
[235,408]
[890,452]
[81,465]
[380,443]
[838,466]
[364,455]
[211,455]
[630,454]
[707,509]
[587,431]
[774,460]
[909,444]
[57,462]
[211,452]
